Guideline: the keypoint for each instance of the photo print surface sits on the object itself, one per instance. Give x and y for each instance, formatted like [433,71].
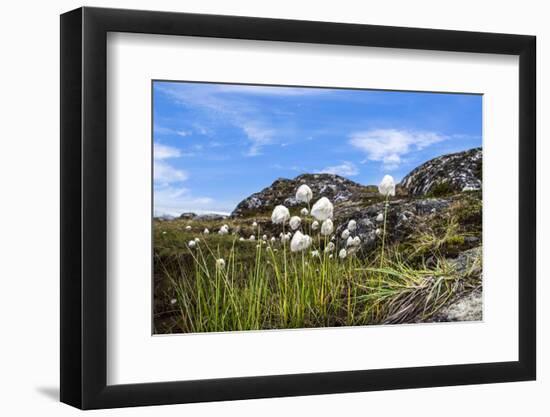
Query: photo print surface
[278,207]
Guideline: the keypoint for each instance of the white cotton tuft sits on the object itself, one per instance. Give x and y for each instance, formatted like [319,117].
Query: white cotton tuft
[300,242]
[387,186]
[330,247]
[380,217]
[304,194]
[322,209]
[280,215]
[295,222]
[345,234]
[304,212]
[327,227]
[220,263]
[352,225]
[342,254]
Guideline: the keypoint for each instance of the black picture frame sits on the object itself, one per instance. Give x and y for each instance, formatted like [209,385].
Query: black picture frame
[84,207]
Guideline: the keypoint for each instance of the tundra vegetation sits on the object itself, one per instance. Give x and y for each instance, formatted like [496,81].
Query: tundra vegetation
[301,254]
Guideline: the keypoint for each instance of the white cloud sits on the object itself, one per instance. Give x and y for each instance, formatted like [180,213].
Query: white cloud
[258,135]
[240,112]
[164,173]
[167,174]
[345,169]
[161,152]
[265,90]
[177,200]
[390,145]
[183,133]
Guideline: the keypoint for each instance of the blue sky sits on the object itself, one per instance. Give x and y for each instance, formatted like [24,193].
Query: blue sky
[215,144]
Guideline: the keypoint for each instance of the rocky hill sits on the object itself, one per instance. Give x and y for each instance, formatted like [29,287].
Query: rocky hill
[446,174]
[336,188]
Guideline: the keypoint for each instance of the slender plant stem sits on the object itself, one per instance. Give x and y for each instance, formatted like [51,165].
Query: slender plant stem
[384,231]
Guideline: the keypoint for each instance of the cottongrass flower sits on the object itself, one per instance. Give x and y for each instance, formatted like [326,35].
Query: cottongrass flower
[173,301]
[327,227]
[300,242]
[164,232]
[295,222]
[345,234]
[280,215]
[192,244]
[352,225]
[197,240]
[264,237]
[315,253]
[241,239]
[220,263]
[273,239]
[315,225]
[304,212]
[380,218]
[353,241]
[387,186]
[378,231]
[187,227]
[206,231]
[254,224]
[330,256]
[353,244]
[322,209]
[304,194]
[223,230]
[342,254]
[330,247]
[252,237]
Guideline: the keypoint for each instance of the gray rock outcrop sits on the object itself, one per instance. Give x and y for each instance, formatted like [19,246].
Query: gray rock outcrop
[446,174]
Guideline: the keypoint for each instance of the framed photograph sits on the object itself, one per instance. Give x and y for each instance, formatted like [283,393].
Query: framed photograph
[257,208]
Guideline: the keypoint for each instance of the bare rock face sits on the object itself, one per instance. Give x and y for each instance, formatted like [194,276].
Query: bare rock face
[336,188]
[446,174]
[403,217]
[467,305]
